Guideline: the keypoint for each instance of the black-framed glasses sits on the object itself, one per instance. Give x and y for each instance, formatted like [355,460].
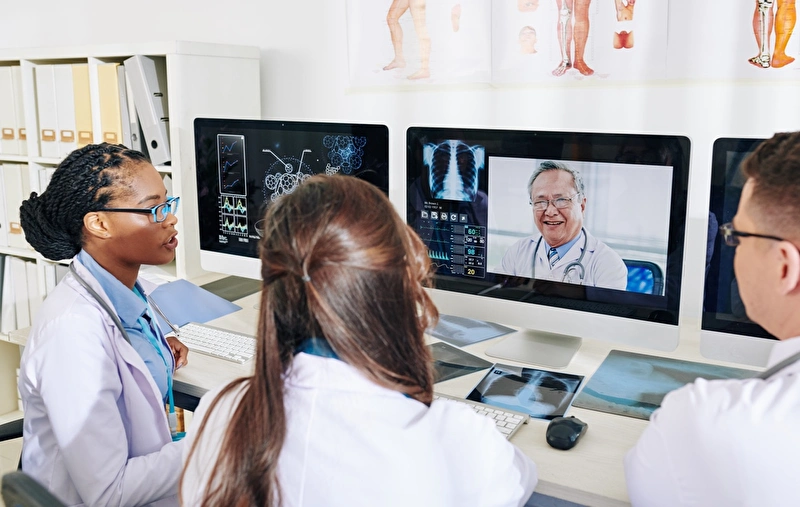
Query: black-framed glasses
[160,212]
[731,236]
[558,202]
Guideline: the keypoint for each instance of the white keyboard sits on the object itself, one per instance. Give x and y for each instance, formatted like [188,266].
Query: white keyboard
[506,421]
[217,342]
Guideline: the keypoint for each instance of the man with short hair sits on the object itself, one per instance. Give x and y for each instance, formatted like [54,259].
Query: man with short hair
[736,442]
[563,251]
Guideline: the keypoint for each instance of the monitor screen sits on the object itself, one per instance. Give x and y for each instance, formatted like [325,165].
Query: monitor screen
[599,230]
[243,165]
[723,311]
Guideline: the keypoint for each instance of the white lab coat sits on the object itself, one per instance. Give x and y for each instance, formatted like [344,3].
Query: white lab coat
[351,442]
[603,266]
[723,442]
[95,431]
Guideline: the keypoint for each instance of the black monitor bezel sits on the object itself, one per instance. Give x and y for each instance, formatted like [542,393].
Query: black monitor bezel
[721,174]
[378,176]
[550,145]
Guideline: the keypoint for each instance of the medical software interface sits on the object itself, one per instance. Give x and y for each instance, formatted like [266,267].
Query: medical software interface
[243,165]
[469,200]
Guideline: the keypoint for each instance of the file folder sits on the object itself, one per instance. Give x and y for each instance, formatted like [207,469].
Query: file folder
[34,294]
[148,77]
[137,137]
[8,314]
[65,107]
[20,283]
[12,180]
[48,110]
[83,104]
[110,116]
[3,219]
[19,109]
[124,111]
[8,122]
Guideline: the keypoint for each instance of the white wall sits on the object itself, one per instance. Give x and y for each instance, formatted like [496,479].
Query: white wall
[305,76]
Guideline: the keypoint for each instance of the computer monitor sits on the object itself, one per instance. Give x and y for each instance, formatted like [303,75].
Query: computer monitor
[468,198]
[726,332]
[242,165]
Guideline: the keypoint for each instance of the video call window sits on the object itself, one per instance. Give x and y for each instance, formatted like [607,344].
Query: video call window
[603,220]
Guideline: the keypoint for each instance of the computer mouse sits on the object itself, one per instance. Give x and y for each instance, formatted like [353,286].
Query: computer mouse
[564,432]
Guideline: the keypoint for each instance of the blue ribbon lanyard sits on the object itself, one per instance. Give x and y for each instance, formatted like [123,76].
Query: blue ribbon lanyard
[155,342]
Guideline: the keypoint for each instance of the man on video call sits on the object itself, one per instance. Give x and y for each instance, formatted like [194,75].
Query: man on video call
[563,251]
[736,442]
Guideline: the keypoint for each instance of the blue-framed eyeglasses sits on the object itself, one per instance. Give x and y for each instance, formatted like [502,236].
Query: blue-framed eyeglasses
[731,236]
[160,212]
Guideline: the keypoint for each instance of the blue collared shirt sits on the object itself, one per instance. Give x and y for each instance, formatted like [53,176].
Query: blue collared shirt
[129,308]
[563,249]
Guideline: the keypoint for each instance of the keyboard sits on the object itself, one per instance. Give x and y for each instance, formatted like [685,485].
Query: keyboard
[506,421]
[221,343]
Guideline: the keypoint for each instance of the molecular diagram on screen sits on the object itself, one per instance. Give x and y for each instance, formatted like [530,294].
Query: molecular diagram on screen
[345,152]
[285,174]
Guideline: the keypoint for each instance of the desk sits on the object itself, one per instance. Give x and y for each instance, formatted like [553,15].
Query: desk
[589,474]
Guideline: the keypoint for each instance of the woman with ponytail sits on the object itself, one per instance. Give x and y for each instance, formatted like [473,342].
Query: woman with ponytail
[340,410]
[97,370]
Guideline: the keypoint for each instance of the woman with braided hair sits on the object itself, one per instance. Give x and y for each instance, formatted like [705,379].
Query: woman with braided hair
[96,370]
[339,409]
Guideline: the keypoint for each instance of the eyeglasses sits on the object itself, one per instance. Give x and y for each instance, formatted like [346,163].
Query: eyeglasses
[559,203]
[731,236]
[160,212]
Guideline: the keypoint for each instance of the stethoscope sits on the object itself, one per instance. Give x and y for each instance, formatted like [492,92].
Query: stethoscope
[172,418]
[574,265]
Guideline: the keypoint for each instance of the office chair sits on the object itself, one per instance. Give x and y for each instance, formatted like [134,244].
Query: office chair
[21,490]
[644,277]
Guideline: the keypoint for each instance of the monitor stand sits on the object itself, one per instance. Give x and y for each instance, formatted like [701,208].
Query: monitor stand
[550,350]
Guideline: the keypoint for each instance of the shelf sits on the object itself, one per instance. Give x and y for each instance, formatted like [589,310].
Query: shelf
[14,159]
[10,416]
[20,252]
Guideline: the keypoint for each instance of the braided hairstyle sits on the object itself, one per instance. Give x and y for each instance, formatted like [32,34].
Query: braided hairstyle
[85,181]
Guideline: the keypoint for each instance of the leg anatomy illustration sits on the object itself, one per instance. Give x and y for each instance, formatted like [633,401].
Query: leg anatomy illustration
[782,22]
[573,25]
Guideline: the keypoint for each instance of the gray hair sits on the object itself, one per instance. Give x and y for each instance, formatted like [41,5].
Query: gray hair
[549,165]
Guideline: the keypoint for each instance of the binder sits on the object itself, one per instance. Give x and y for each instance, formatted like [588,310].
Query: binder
[19,108]
[8,317]
[34,295]
[110,119]
[12,181]
[83,104]
[19,282]
[49,278]
[124,111]
[137,137]
[48,110]
[8,122]
[65,109]
[148,77]
[3,220]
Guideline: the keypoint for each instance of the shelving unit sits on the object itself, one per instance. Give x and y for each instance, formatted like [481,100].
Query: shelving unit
[203,80]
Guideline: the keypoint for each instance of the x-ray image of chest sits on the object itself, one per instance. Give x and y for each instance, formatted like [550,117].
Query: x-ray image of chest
[540,393]
[453,168]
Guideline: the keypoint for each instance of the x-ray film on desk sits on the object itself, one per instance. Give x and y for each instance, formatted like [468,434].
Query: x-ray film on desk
[451,362]
[542,394]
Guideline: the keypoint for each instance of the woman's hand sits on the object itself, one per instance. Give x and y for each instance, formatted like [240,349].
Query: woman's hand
[179,350]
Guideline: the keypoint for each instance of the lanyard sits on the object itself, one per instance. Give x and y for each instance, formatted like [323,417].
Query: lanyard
[147,329]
